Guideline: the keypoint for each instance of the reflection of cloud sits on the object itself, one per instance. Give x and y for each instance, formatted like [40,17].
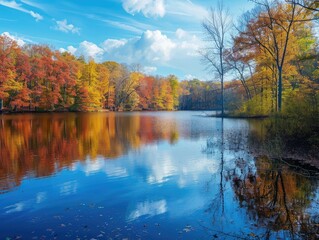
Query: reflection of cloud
[18,207]
[149,208]
[68,188]
[114,171]
[190,172]
[160,168]
[93,166]
[41,196]
[164,165]
[100,165]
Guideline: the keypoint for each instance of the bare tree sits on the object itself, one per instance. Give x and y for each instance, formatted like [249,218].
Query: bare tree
[217,26]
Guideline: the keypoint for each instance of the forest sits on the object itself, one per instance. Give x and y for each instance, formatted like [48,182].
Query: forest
[272,58]
[37,78]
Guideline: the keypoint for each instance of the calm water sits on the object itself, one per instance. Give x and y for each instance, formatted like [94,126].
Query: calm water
[167,175]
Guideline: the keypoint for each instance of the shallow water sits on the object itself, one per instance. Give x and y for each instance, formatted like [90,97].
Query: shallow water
[148,175]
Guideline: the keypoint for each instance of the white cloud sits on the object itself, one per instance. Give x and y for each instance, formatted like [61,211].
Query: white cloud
[152,46]
[37,16]
[11,4]
[17,6]
[189,77]
[155,46]
[186,8]
[86,49]
[153,49]
[111,44]
[89,49]
[126,23]
[149,8]
[180,33]
[63,26]
[69,49]
[19,41]
[123,26]
[190,44]
[149,69]
[34,4]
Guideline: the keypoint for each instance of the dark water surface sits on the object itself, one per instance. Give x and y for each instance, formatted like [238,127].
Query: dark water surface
[154,175]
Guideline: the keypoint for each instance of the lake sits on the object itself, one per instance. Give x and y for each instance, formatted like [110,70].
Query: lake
[147,175]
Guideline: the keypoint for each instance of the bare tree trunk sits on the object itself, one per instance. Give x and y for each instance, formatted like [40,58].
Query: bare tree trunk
[222,78]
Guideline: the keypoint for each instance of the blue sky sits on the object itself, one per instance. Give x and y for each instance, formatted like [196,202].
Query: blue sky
[164,36]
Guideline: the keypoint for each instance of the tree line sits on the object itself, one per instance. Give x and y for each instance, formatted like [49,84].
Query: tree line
[37,78]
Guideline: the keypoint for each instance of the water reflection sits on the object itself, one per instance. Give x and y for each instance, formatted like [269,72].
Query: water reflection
[42,144]
[149,176]
[278,198]
[149,209]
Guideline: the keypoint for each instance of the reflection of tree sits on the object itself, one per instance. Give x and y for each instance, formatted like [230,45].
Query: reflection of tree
[221,184]
[42,144]
[219,201]
[276,198]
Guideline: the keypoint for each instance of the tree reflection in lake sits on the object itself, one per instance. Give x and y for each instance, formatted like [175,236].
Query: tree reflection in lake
[40,145]
[281,198]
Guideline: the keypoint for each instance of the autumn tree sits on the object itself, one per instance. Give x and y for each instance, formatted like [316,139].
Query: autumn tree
[116,72]
[270,28]
[8,83]
[21,99]
[103,84]
[69,75]
[145,92]
[174,85]
[88,96]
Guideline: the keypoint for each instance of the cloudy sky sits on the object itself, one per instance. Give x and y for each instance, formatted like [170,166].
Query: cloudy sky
[164,36]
